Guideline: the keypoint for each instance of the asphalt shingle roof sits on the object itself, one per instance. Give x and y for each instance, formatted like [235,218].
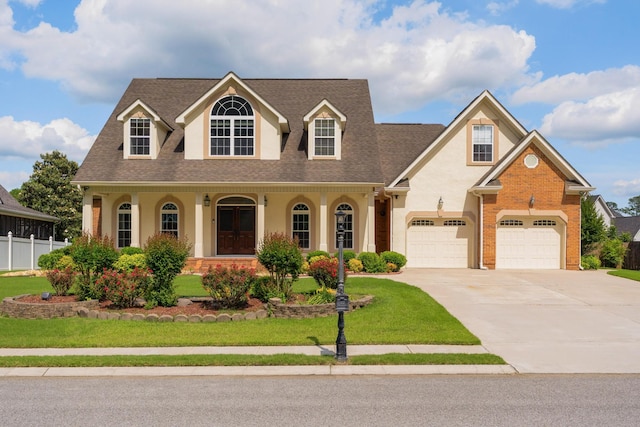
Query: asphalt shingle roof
[10,206]
[293,98]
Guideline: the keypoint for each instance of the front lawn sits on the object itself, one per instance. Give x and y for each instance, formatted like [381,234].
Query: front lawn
[399,314]
[627,274]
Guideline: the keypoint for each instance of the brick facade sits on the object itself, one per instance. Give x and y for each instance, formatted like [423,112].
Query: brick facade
[547,184]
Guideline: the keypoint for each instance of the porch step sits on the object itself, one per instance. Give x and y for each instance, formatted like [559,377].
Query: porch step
[201,265]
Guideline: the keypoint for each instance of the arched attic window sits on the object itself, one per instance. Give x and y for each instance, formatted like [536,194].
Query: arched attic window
[232,127]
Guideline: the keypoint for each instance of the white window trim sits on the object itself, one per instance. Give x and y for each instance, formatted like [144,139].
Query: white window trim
[232,119]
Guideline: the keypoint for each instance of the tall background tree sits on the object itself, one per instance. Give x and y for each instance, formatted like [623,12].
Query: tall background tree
[49,190]
[634,207]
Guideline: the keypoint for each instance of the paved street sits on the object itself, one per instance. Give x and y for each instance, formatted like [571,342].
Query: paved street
[544,321]
[467,400]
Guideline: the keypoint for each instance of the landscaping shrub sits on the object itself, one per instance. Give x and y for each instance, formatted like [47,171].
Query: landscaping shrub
[317,253]
[590,262]
[372,263]
[322,296]
[391,267]
[122,287]
[128,262]
[264,288]
[131,250]
[317,258]
[612,253]
[166,256]
[61,280]
[347,255]
[355,265]
[50,261]
[325,272]
[281,256]
[229,287]
[91,256]
[395,258]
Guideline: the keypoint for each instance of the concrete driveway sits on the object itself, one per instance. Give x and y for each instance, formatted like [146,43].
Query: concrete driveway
[544,321]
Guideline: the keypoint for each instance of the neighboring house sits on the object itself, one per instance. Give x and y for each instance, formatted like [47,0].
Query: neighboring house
[628,224]
[603,209]
[224,161]
[23,222]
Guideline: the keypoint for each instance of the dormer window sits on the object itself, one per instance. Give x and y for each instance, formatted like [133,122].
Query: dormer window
[325,125]
[140,136]
[232,127]
[325,137]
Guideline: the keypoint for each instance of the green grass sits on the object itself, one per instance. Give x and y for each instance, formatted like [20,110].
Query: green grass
[399,314]
[247,360]
[627,274]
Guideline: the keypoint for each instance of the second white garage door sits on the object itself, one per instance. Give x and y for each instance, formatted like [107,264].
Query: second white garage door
[439,243]
[527,243]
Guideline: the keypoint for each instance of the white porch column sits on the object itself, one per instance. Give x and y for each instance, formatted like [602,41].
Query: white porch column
[323,223]
[371,223]
[135,220]
[87,212]
[260,214]
[198,250]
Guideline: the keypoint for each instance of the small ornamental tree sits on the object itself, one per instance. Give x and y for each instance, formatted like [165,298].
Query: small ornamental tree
[593,229]
[166,257]
[91,256]
[281,256]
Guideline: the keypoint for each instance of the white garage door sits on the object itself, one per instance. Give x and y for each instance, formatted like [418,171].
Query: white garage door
[526,243]
[438,243]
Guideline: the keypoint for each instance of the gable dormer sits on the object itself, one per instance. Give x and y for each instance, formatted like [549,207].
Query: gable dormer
[231,120]
[143,131]
[325,125]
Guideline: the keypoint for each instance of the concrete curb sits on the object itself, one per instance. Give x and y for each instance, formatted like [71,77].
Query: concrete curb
[189,371]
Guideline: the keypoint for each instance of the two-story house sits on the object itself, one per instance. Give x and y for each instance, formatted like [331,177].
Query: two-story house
[224,161]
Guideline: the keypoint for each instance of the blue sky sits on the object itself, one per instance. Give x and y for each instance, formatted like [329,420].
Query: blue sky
[568,68]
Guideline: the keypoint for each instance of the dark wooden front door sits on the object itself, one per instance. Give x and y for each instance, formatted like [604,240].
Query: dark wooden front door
[383,225]
[236,230]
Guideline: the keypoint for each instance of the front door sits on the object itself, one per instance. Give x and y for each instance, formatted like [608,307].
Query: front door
[236,230]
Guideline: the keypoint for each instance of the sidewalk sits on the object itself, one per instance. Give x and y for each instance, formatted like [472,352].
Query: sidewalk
[354,350]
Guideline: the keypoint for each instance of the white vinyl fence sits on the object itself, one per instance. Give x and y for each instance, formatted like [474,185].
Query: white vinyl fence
[22,254]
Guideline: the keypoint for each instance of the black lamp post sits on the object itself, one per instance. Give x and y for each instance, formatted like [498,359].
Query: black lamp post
[342,299]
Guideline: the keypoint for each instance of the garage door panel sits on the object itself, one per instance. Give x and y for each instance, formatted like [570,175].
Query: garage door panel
[437,245]
[535,244]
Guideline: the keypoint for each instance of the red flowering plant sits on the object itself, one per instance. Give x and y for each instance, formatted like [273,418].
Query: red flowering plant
[122,288]
[61,280]
[325,272]
[229,287]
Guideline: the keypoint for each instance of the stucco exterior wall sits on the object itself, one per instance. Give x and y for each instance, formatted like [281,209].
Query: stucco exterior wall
[445,174]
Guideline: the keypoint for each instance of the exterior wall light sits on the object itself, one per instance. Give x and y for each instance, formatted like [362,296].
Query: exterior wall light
[207,200]
[440,203]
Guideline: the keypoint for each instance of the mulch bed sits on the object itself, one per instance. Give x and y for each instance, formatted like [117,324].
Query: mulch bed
[200,307]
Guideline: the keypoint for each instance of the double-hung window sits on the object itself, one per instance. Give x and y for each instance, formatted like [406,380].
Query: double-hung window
[169,219]
[482,143]
[300,225]
[124,225]
[325,137]
[140,134]
[348,225]
[232,127]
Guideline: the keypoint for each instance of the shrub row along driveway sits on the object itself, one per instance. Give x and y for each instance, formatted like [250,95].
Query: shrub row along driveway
[544,321]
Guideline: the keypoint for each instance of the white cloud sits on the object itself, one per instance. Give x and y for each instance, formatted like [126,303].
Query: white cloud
[602,120]
[26,140]
[575,86]
[568,4]
[496,8]
[419,53]
[630,188]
